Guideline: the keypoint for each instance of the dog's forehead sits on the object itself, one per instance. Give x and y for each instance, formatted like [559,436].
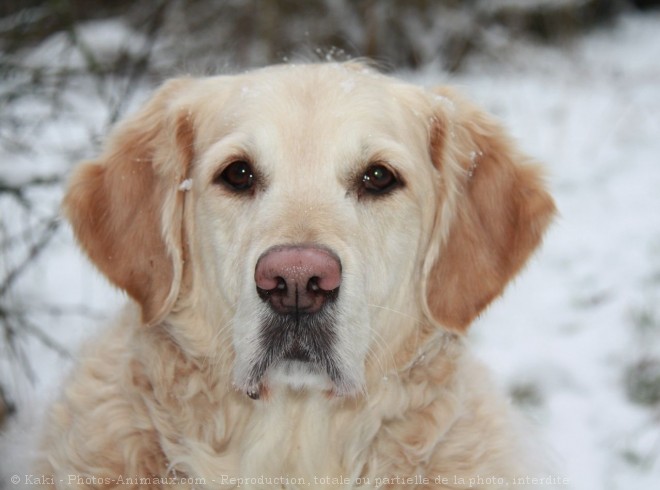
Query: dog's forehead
[312,84]
[327,118]
[310,102]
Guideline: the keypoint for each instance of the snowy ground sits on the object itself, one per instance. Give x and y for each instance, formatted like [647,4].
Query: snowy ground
[572,339]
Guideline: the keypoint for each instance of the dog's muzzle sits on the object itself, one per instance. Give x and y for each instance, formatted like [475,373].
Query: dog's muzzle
[300,284]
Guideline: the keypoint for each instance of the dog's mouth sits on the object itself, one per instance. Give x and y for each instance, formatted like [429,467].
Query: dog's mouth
[296,349]
[298,352]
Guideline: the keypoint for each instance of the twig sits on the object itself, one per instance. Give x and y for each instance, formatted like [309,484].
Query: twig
[34,251]
[18,190]
[44,338]
[140,64]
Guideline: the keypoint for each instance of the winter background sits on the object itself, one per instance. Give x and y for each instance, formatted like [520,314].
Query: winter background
[575,340]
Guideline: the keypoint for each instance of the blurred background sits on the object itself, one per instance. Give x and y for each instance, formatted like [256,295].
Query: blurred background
[575,341]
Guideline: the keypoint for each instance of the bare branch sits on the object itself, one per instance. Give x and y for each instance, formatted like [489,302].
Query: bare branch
[35,250]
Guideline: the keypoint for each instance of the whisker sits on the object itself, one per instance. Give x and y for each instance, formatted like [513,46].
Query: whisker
[392,310]
[384,347]
[218,357]
[382,342]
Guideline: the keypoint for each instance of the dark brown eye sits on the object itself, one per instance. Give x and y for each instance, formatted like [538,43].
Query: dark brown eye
[378,179]
[238,176]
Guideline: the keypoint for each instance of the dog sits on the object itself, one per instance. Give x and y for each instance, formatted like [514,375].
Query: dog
[304,248]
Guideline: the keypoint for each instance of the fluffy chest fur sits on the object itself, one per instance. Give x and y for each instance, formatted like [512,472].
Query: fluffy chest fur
[174,417]
[299,434]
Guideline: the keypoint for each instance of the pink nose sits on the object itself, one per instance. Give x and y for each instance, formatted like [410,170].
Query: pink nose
[297,278]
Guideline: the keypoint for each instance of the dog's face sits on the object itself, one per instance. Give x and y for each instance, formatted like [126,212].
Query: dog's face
[310,207]
[310,216]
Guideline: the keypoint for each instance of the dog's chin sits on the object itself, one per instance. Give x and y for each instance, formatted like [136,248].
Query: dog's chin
[299,375]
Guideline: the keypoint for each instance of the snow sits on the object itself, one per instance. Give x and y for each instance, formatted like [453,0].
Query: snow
[101,40]
[566,332]
[186,185]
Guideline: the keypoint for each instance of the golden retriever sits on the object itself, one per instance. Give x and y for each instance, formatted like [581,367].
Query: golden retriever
[304,247]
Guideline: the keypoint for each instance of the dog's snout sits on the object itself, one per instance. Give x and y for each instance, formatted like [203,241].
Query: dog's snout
[297,278]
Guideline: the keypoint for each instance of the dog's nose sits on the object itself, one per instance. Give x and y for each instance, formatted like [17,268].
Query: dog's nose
[297,278]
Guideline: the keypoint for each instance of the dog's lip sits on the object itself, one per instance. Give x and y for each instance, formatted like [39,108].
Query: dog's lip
[254,393]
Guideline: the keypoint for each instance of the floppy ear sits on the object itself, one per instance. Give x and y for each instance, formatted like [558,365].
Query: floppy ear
[125,207]
[493,212]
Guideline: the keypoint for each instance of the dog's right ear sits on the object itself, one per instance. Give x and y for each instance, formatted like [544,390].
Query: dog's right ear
[126,208]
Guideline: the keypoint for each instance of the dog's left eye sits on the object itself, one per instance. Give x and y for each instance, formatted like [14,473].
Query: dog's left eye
[378,179]
[238,176]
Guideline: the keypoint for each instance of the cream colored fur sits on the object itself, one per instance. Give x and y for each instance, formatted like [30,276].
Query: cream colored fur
[161,394]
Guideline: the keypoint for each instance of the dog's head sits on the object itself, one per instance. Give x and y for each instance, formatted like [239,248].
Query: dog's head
[301,220]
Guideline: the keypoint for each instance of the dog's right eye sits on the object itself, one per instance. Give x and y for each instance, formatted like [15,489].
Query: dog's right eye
[238,176]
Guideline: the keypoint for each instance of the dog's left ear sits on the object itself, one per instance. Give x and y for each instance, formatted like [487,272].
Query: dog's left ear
[492,213]
[126,208]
